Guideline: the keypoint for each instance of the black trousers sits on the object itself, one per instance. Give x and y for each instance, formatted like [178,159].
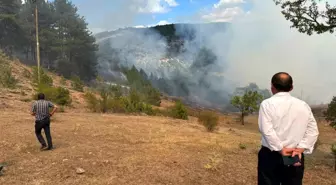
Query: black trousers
[45,125]
[272,171]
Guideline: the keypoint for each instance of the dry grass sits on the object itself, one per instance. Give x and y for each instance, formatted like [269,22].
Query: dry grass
[120,149]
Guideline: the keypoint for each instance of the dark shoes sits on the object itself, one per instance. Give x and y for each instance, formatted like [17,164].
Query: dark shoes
[44,148]
[1,167]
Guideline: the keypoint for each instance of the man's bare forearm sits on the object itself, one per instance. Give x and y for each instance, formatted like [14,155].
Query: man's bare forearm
[53,111]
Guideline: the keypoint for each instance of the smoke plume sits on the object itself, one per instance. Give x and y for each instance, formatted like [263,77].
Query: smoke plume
[252,48]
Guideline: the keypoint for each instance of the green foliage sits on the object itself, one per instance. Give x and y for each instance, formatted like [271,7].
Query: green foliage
[179,111]
[109,102]
[309,17]
[138,80]
[58,95]
[92,102]
[77,84]
[46,80]
[11,32]
[117,91]
[330,113]
[67,45]
[7,80]
[247,104]
[209,120]
[333,150]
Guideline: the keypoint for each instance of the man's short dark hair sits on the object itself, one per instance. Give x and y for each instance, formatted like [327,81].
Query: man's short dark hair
[282,82]
[40,96]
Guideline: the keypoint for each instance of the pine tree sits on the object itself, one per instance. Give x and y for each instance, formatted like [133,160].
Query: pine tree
[9,25]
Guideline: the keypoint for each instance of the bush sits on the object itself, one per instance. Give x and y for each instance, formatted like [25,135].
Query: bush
[77,84]
[45,79]
[179,111]
[7,80]
[109,103]
[58,95]
[153,96]
[92,102]
[117,105]
[333,150]
[209,120]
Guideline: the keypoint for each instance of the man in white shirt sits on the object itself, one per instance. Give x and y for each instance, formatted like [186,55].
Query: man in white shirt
[288,128]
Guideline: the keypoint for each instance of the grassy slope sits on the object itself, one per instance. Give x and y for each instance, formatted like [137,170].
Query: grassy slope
[123,149]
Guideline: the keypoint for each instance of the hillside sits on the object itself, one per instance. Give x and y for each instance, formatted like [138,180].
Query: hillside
[181,60]
[126,149]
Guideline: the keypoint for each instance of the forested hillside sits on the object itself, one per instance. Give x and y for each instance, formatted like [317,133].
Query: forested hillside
[66,44]
[176,59]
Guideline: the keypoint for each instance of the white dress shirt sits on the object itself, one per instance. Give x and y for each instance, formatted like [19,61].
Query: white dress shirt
[285,121]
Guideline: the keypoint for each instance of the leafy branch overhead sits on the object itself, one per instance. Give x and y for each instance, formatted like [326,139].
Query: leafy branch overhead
[309,16]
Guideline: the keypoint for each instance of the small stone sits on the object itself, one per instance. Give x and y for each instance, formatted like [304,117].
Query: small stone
[65,160]
[80,170]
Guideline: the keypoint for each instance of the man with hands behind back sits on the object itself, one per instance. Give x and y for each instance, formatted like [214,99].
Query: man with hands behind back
[40,110]
[289,131]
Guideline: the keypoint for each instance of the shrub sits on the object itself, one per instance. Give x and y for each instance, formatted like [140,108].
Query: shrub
[117,105]
[3,57]
[92,102]
[116,90]
[124,104]
[152,96]
[77,84]
[45,79]
[333,150]
[58,95]
[179,111]
[7,80]
[209,120]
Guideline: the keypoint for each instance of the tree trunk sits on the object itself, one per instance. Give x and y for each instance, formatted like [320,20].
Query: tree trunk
[242,118]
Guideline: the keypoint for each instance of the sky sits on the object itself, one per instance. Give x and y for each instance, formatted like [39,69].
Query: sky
[112,14]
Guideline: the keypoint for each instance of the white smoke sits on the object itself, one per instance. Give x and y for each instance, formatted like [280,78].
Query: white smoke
[257,45]
[263,44]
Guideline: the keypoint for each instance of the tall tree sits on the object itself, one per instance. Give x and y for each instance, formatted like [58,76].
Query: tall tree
[66,44]
[309,16]
[9,25]
[46,31]
[76,44]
